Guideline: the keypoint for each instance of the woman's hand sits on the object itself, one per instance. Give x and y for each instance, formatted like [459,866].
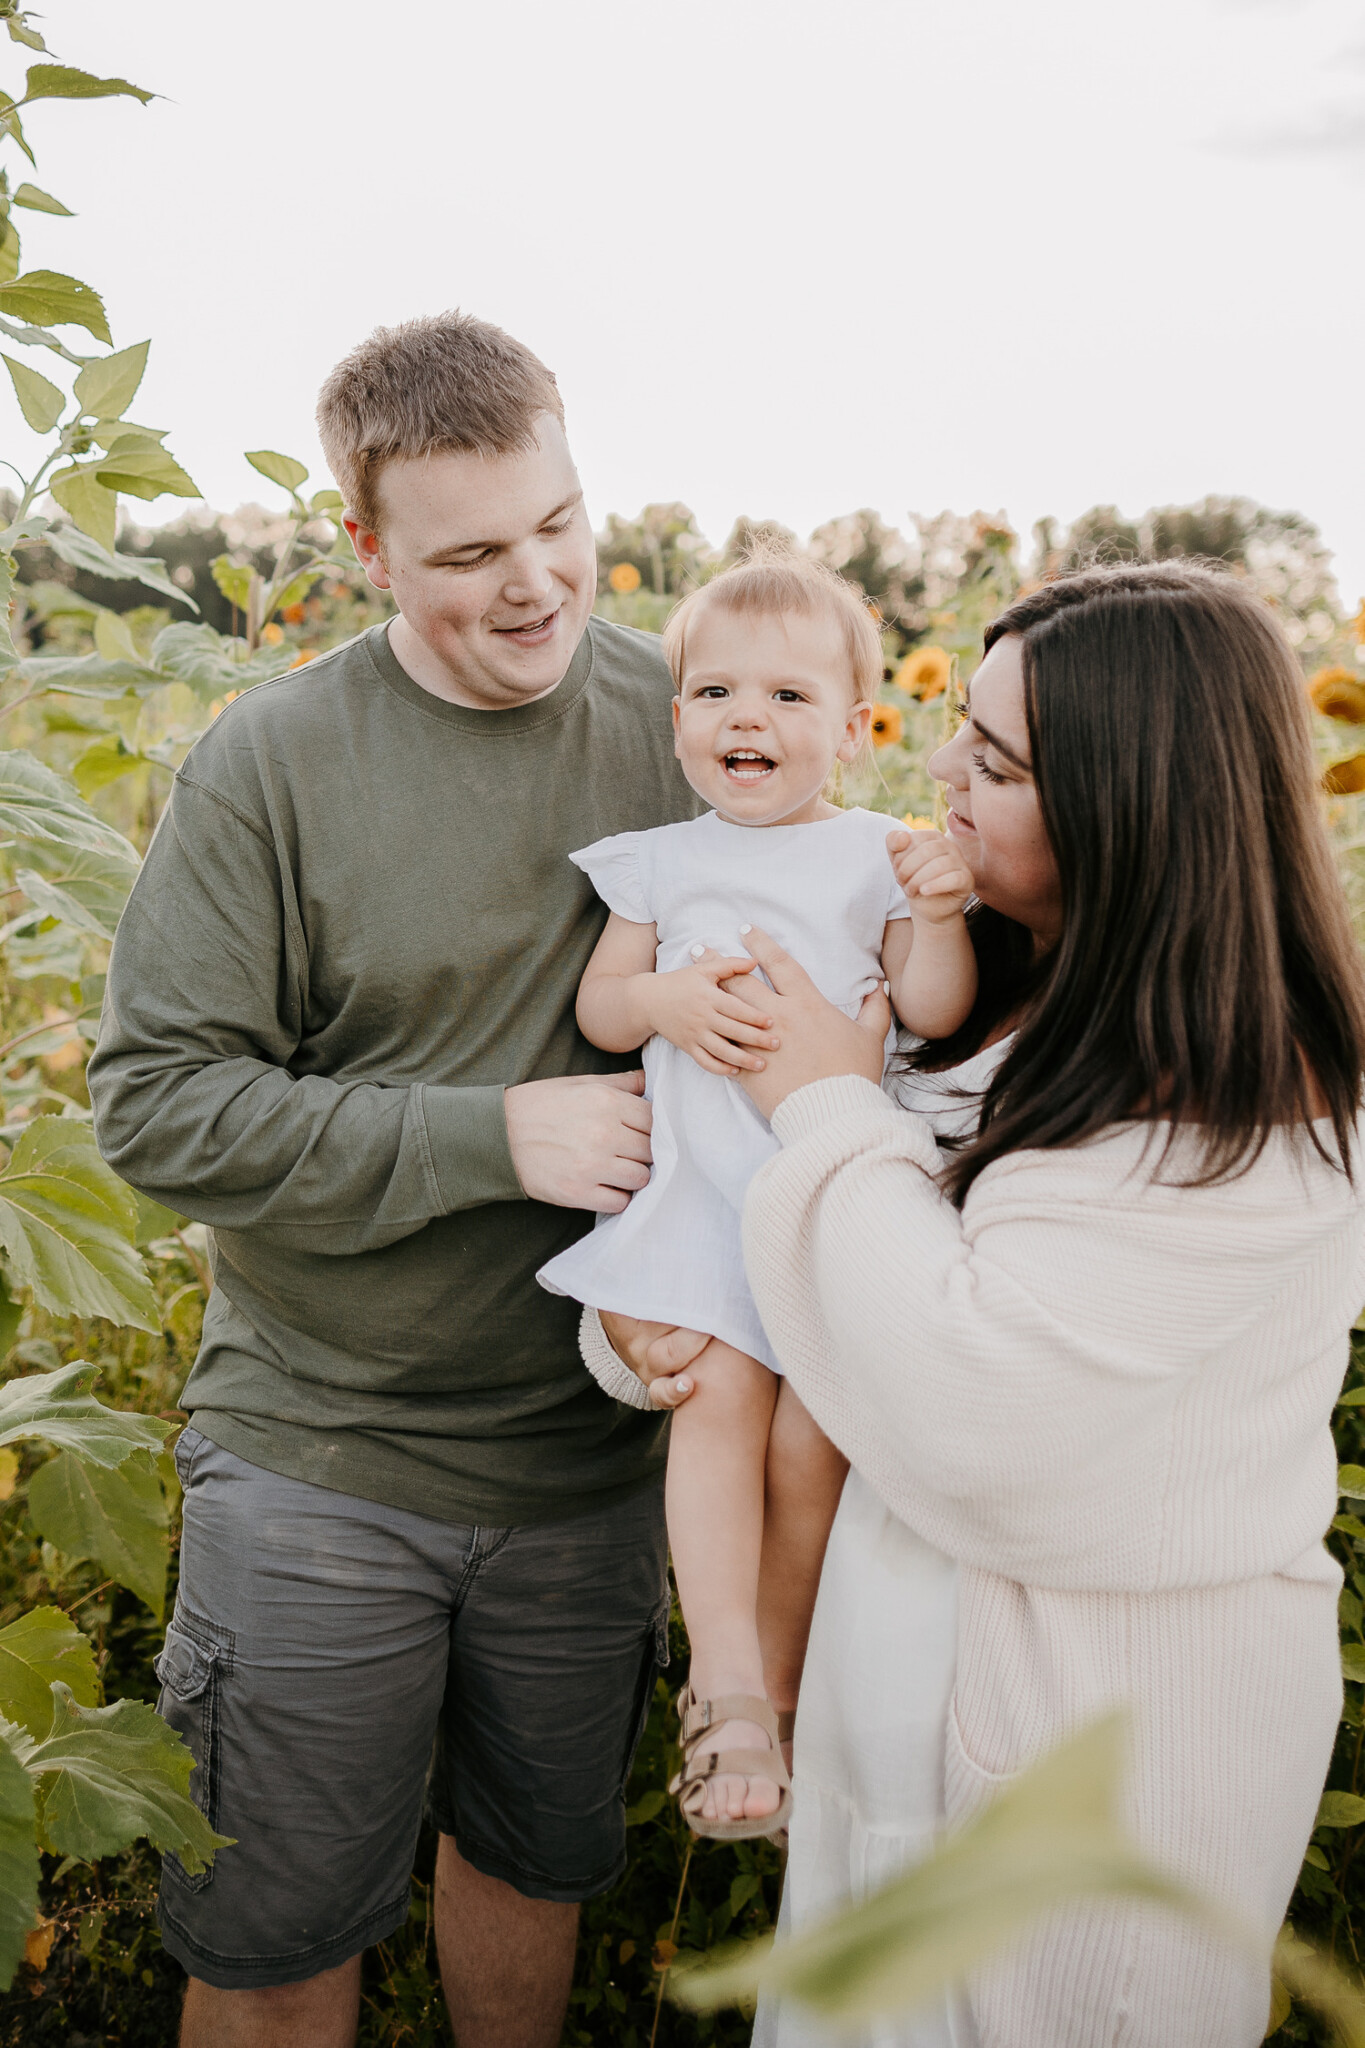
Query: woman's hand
[816,1041]
[656,1353]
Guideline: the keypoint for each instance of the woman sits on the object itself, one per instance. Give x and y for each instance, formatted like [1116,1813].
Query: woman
[1085,1373]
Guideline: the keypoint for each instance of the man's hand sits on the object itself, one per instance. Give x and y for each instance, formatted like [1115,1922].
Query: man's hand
[581,1142]
[712,1025]
[656,1353]
[937,881]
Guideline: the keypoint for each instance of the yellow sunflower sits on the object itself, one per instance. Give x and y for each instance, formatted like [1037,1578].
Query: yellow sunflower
[1340,693]
[925,672]
[1345,778]
[624,578]
[887,725]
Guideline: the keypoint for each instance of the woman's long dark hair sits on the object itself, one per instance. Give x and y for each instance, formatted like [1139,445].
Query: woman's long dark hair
[1207,973]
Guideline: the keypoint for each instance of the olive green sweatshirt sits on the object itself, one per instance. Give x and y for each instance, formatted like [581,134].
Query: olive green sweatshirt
[356,925]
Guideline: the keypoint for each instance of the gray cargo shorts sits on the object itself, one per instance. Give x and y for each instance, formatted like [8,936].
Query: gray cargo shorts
[333,1663]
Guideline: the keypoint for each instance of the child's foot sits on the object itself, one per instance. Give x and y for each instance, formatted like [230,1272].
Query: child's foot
[734,1782]
[728,1795]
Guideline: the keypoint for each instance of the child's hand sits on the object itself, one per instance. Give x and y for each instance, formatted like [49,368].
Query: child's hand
[936,879]
[690,1010]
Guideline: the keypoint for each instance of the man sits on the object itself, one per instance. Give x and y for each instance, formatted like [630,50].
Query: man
[340,1030]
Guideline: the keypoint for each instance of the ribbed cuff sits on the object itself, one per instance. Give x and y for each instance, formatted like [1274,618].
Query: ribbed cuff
[607,1367]
[806,1110]
[470,1156]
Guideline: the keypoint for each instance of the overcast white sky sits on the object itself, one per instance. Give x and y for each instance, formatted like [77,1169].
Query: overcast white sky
[787,257]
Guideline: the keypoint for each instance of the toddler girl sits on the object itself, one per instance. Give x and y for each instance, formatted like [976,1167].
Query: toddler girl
[775,663]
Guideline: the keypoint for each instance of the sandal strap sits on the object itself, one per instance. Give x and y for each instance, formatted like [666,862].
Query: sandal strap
[741,1763]
[696,1716]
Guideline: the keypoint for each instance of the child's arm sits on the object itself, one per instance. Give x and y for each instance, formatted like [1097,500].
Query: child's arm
[622,1002]
[928,957]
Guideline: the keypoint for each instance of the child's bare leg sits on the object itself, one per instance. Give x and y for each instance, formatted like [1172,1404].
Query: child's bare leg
[716,1460]
[805,1477]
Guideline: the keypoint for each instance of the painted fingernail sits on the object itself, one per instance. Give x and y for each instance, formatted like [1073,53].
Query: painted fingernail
[697,952]
[745,930]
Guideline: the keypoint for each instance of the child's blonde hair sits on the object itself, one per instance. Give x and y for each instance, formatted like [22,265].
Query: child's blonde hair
[771,581]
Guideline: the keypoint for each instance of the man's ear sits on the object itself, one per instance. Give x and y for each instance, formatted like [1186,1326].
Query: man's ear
[368,551]
[855,733]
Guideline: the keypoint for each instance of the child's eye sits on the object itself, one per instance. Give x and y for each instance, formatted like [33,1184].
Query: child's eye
[789,697]
[713,690]
[987,774]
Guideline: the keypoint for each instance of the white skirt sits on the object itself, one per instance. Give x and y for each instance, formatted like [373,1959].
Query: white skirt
[868,1776]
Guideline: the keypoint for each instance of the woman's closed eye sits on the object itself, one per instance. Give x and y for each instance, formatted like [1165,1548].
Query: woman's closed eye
[987,774]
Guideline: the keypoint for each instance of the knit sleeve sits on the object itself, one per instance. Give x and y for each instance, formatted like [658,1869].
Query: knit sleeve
[614,868]
[994,1360]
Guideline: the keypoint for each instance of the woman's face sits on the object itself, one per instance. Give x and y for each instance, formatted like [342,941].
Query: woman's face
[994,814]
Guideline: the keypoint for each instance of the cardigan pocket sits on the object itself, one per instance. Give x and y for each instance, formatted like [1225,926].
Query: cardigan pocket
[968,1787]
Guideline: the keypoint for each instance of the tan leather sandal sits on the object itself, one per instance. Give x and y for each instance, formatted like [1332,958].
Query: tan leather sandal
[689,1786]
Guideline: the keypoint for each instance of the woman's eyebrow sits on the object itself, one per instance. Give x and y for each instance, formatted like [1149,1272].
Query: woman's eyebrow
[992,741]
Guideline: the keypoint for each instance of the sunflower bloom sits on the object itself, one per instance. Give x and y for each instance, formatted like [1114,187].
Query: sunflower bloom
[624,578]
[308,654]
[272,634]
[887,725]
[919,824]
[1345,778]
[925,672]
[1339,693]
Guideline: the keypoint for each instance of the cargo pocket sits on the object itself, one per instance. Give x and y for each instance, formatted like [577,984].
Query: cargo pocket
[655,1658]
[190,1669]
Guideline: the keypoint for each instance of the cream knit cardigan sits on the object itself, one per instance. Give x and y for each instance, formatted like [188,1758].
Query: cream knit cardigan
[1109,1398]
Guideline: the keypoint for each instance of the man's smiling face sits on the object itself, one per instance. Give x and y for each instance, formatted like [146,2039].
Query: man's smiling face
[492,564]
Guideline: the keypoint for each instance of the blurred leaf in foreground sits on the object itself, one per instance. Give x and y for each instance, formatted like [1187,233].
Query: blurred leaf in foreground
[1051,1838]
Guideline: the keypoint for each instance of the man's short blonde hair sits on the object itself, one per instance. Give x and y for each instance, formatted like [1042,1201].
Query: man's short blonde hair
[444,382]
[772,582]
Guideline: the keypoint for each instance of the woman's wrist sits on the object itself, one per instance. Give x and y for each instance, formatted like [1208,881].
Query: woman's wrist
[832,1096]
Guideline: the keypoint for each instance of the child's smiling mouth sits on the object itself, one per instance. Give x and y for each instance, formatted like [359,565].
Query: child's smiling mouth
[744,764]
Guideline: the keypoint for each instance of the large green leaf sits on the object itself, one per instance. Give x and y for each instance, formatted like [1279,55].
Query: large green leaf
[84,499]
[83,553]
[67,1224]
[40,400]
[38,807]
[118,1773]
[210,663]
[1051,1837]
[281,469]
[64,82]
[118,1518]
[60,1408]
[85,890]
[53,299]
[42,1645]
[144,470]
[41,202]
[103,762]
[90,675]
[18,1859]
[107,388]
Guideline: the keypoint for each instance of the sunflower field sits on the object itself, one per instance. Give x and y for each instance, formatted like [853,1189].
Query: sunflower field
[122,645]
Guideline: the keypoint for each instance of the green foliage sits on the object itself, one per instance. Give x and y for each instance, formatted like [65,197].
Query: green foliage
[58,1408]
[40,1649]
[117,1517]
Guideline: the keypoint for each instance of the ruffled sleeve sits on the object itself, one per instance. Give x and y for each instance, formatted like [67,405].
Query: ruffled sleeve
[613,867]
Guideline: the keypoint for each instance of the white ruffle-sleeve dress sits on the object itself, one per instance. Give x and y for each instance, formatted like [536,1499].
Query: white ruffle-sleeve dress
[825,892]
